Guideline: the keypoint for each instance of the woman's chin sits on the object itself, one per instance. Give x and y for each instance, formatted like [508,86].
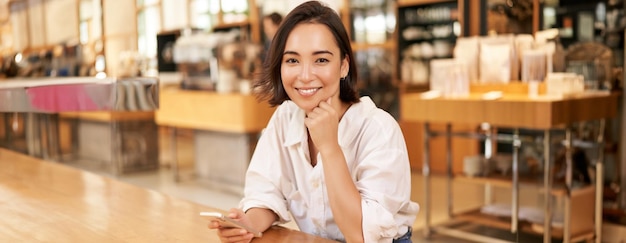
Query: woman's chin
[307,107]
[307,104]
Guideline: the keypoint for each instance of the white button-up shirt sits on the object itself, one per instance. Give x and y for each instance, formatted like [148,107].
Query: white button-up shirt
[281,178]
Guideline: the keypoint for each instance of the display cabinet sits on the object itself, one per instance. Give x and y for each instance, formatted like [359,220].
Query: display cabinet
[427,30]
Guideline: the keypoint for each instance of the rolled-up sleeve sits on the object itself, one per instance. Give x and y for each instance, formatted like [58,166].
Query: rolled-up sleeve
[383,178]
[263,177]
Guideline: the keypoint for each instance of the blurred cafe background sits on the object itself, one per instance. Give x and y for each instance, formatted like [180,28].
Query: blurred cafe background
[159,93]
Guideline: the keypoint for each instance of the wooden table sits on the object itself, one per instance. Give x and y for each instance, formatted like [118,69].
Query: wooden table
[515,110]
[43,201]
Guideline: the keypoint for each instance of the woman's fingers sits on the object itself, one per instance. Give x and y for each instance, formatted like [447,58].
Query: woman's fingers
[234,235]
[213,225]
[321,111]
[235,213]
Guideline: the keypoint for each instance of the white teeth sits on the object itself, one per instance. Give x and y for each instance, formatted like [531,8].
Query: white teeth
[307,91]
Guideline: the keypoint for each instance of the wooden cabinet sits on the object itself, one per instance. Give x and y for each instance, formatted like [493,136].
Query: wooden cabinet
[229,112]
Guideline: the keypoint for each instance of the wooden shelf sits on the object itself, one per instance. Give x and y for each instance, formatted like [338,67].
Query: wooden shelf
[406,87]
[506,182]
[230,25]
[408,3]
[581,212]
[110,116]
[528,227]
[357,46]
[451,38]
[435,22]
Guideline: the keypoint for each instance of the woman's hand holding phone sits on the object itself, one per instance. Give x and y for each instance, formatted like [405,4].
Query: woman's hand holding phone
[231,227]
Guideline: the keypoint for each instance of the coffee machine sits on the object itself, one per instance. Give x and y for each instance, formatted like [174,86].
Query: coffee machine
[217,61]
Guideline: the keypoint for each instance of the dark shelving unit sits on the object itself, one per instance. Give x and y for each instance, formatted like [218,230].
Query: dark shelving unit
[424,18]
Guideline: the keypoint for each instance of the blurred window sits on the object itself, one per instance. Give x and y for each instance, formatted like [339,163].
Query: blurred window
[148,26]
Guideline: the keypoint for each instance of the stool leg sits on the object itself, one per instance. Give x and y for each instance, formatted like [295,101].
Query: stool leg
[44,135]
[33,135]
[7,130]
[74,136]
[116,162]
[174,153]
[53,137]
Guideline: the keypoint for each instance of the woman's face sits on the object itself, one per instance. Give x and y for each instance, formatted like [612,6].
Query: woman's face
[312,66]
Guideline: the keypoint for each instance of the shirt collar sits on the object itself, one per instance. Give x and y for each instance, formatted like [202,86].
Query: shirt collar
[349,126]
[296,130]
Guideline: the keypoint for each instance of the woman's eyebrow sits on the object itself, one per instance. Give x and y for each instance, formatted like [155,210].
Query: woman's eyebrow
[323,52]
[314,53]
[290,53]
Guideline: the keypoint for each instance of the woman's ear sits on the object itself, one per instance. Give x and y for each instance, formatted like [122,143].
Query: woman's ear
[345,66]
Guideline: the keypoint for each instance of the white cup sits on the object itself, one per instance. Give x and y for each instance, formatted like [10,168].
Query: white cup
[473,165]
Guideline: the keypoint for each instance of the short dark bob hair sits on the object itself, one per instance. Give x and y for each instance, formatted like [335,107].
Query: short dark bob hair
[268,85]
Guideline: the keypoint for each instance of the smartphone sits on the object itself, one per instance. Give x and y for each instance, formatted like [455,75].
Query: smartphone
[227,222]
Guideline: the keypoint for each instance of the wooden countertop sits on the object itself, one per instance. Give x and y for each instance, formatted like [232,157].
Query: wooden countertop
[231,112]
[511,110]
[109,116]
[42,201]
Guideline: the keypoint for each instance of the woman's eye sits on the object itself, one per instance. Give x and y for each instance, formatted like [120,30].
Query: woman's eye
[322,60]
[291,60]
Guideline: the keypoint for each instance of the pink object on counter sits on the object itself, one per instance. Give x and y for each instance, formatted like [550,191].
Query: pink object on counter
[61,97]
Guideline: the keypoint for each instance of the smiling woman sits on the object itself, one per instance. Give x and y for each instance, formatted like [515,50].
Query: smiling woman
[327,157]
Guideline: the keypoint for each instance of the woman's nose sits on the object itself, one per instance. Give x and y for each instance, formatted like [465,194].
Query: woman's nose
[306,73]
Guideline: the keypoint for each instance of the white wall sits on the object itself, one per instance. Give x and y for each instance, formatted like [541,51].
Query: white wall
[175,15]
[19,22]
[40,23]
[36,27]
[61,21]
